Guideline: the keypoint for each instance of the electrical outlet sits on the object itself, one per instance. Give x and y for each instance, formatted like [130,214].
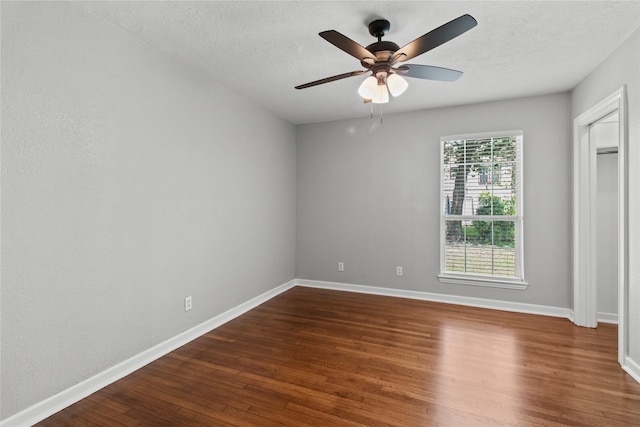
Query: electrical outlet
[341,266]
[399,270]
[187,303]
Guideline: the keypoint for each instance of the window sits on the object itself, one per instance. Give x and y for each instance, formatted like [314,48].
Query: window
[488,176]
[481,215]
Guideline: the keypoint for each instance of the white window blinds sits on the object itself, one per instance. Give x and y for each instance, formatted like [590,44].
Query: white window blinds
[481,221]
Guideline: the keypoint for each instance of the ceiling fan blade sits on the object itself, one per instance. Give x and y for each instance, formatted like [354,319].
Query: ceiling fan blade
[435,38]
[346,44]
[428,72]
[331,79]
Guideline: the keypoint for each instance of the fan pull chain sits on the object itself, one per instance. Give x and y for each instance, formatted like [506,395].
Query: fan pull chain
[380,112]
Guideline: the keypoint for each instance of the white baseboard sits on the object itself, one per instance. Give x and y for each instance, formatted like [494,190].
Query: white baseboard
[632,368]
[53,404]
[608,318]
[444,298]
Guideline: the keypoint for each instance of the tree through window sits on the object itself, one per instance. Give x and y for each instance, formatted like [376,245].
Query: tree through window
[481,221]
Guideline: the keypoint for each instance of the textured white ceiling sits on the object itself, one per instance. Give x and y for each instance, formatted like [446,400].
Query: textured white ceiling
[265,48]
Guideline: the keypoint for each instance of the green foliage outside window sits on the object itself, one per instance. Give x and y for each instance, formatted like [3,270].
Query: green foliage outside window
[503,231]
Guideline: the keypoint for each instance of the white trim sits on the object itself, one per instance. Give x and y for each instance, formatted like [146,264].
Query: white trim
[517,307]
[482,135]
[65,398]
[632,368]
[492,282]
[608,318]
[584,195]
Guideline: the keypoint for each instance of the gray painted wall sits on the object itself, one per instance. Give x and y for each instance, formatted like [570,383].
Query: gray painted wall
[622,68]
[129,181]
[370,197]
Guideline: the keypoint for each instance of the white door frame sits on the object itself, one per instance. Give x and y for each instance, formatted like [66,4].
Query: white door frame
[584,217]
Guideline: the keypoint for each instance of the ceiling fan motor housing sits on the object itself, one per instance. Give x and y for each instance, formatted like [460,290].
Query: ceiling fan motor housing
[383,50]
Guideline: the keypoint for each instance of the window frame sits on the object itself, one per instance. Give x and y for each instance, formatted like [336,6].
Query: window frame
[476,279]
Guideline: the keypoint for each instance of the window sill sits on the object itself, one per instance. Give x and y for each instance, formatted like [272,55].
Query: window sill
[492,282]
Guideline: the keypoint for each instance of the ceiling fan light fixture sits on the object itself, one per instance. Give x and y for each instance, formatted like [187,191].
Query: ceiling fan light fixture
[381,95]
[396,84]
[368,87]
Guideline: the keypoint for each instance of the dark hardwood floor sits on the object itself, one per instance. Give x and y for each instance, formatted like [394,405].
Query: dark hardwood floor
[327,358]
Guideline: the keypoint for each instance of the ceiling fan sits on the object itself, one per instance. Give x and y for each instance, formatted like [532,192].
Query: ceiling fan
[380,58]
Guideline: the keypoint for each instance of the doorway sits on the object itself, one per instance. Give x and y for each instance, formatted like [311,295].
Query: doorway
[586,130]
[605,133]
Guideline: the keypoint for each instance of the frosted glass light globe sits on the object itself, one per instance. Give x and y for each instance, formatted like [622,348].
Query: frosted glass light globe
[381,95]
[368,87]
[396,84]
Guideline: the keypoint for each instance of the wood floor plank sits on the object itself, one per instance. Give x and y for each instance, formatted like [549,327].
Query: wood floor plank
[320,357]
